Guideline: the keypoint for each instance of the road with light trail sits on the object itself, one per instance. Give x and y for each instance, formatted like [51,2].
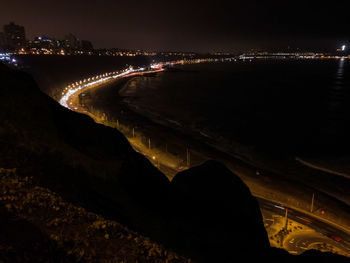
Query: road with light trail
[301,238]
[166,162]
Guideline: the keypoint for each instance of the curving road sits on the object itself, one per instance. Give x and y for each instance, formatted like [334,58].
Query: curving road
[304,232]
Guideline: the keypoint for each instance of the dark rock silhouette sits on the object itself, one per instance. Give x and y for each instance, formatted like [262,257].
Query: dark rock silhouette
[34,246]
[218,214]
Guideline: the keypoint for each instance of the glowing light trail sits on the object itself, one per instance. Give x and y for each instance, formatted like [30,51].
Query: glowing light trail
[78,86]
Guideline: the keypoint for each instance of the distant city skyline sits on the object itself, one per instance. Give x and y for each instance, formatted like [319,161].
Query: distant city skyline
[13,39]
[231,26]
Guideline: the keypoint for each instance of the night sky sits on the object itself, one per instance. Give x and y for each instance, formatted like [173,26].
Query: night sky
[187,25]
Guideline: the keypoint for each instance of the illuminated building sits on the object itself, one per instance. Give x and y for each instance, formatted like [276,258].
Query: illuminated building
[43,45]
[342,48]
[14,36]
[71,42]
[342,51]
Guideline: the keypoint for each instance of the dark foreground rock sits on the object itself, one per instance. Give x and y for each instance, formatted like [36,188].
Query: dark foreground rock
[37,225]
[206,213]
[216,213]
[21,241]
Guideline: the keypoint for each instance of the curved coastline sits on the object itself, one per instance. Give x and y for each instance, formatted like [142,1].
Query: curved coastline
[267,183]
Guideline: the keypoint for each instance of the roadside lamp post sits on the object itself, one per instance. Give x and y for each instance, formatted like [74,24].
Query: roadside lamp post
[188,157]
[312,202]
[286,219]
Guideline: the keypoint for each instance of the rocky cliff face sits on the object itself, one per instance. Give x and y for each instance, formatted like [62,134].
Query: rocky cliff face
[206,212]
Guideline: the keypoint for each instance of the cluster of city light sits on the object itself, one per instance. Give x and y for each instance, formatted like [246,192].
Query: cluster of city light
[130,53]
[57,51]
[5,56]
[199,60]
[193,61]
[154,66]
[296,55]
[8,59]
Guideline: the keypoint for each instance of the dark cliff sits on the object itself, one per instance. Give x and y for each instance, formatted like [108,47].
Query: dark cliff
[206,212]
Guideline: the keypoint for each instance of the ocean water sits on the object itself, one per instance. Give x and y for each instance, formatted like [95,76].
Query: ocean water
[289,106]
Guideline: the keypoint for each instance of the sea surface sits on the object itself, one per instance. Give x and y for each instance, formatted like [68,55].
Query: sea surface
[280,106]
